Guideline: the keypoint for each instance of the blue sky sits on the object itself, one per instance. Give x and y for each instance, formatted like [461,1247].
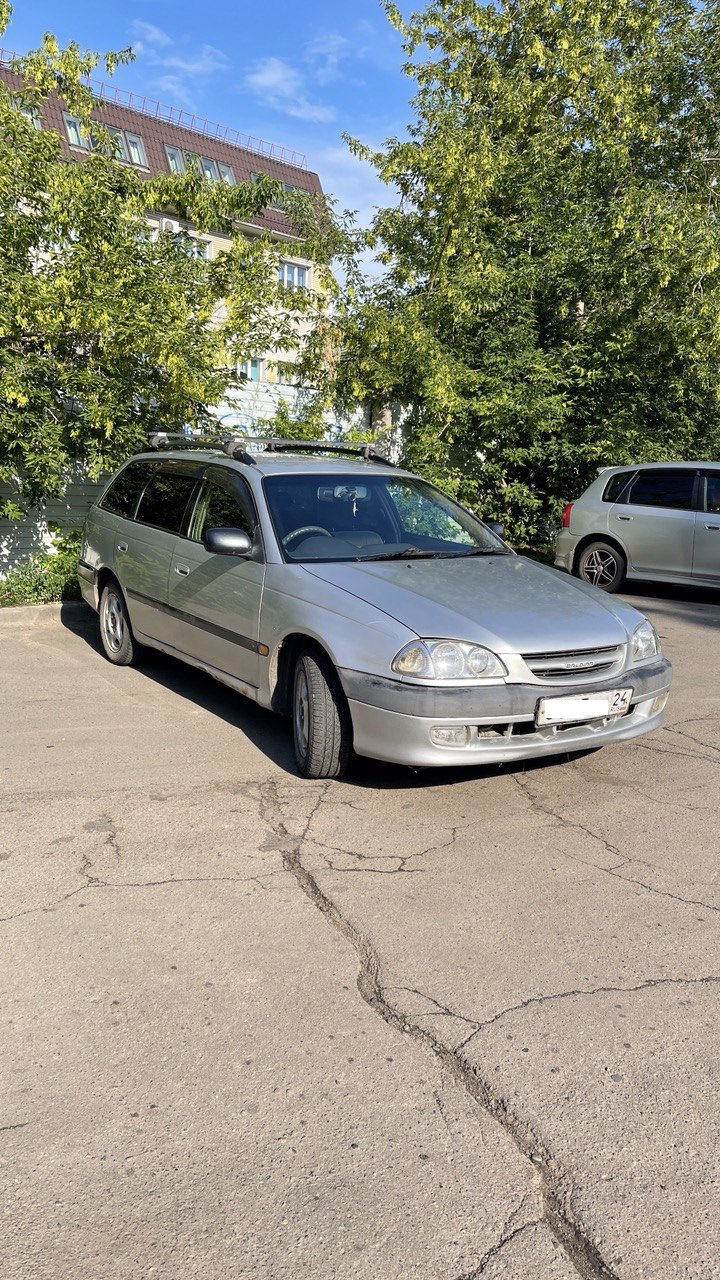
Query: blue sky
[299,74]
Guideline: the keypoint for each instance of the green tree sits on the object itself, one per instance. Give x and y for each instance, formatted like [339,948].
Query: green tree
[107,328]
[551,301]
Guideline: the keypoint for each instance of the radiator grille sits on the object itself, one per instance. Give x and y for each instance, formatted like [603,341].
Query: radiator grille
[578,664]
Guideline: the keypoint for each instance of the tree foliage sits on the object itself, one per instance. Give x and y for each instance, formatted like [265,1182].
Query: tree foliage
[551,301]
[107,327]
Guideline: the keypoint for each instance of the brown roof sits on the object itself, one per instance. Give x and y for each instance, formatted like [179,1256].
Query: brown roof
[199,136]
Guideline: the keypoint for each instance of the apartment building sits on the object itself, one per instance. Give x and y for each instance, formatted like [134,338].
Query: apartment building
[154,138]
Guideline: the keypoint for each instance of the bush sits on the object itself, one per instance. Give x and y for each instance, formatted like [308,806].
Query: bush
[48,575]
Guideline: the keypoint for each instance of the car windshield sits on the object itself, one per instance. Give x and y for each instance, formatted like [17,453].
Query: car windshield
[332,516]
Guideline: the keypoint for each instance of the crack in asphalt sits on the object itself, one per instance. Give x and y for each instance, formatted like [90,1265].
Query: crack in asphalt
[93,882]
[539,807]
[506,1238]
[707,981]
[555,1185]
[440,1010]
[401,860]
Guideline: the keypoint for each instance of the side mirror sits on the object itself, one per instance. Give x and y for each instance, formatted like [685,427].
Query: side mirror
[498,530]
[227,542]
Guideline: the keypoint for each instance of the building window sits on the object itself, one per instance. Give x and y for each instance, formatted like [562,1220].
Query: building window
[291,276]
[174,159]
[192,246]
[118,138]
[74,132]
[278,202]
[180,161]
[253,369]
[127,147]
[136,150]
[28,110]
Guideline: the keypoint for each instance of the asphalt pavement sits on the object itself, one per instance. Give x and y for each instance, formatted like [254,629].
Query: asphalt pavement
[438,1025]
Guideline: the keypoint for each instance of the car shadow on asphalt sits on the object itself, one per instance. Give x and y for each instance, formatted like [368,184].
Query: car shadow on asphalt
[699,605]
[271,734]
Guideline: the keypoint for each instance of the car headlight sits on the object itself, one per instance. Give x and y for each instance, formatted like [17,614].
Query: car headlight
[447,660]
[645,642]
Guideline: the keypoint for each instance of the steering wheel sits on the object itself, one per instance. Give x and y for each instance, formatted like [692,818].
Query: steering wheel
[305,528]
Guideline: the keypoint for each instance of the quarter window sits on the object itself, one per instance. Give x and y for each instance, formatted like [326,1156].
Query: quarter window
[672,490]
[122,496]
[165,500]
[615,486]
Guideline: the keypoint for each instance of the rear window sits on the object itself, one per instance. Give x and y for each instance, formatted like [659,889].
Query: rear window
[122,496]
[165,500]
[670,489]
[615,485]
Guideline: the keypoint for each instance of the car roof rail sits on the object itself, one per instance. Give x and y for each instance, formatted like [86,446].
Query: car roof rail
[179,440]
[237,447]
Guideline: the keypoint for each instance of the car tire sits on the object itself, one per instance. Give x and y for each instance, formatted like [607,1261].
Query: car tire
[118,642]
[602,565]
[322,733]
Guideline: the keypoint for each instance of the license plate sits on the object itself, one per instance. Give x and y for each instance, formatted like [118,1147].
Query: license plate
[581,707]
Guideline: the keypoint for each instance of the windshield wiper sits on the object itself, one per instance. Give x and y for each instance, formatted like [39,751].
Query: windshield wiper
[407,553]
[482,551]
[416,553]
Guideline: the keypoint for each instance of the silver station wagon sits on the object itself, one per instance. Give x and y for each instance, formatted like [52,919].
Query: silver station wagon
[359,599]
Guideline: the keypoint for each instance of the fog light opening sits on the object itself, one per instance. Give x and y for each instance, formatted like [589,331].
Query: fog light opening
[450,735]
[658,703]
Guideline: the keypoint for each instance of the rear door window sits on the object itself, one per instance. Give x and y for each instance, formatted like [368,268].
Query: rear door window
[165,501]
[122,496]
[672,490]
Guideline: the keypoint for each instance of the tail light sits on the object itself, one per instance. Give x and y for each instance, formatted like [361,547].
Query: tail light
[566,515]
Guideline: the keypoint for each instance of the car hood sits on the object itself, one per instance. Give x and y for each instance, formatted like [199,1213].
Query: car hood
[506,603]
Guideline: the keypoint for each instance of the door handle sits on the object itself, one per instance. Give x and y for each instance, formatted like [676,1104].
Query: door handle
[624,517]
[182,569]
[122,546]
[712,526]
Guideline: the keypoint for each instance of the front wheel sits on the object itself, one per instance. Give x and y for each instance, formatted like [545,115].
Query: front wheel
[116,634]
[602,565]
[322,732]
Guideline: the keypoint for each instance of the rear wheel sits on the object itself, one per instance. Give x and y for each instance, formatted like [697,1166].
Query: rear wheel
[602,565]
[322,732]
[116,634]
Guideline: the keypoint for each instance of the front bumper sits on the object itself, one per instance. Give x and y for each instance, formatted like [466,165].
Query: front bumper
[392,720]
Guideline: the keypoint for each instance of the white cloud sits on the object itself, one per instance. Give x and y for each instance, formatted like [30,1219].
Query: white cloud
[145,31]
[281,86]
[174,87]
[324,55]
[204,63]
[177,73]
